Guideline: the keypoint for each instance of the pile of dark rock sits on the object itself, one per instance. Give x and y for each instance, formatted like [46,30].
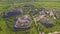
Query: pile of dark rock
[47,22]
[12,13]
[44,17]
[32,9]
[30,6]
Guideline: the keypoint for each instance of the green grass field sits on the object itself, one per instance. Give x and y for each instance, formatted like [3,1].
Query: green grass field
[5,30]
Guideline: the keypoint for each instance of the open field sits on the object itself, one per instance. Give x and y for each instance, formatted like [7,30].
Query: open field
[8,6]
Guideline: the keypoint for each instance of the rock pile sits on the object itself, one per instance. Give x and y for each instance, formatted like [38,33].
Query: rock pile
[23,22]
[12,13]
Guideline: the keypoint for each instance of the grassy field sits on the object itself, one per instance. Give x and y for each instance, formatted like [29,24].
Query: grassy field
[8,6]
